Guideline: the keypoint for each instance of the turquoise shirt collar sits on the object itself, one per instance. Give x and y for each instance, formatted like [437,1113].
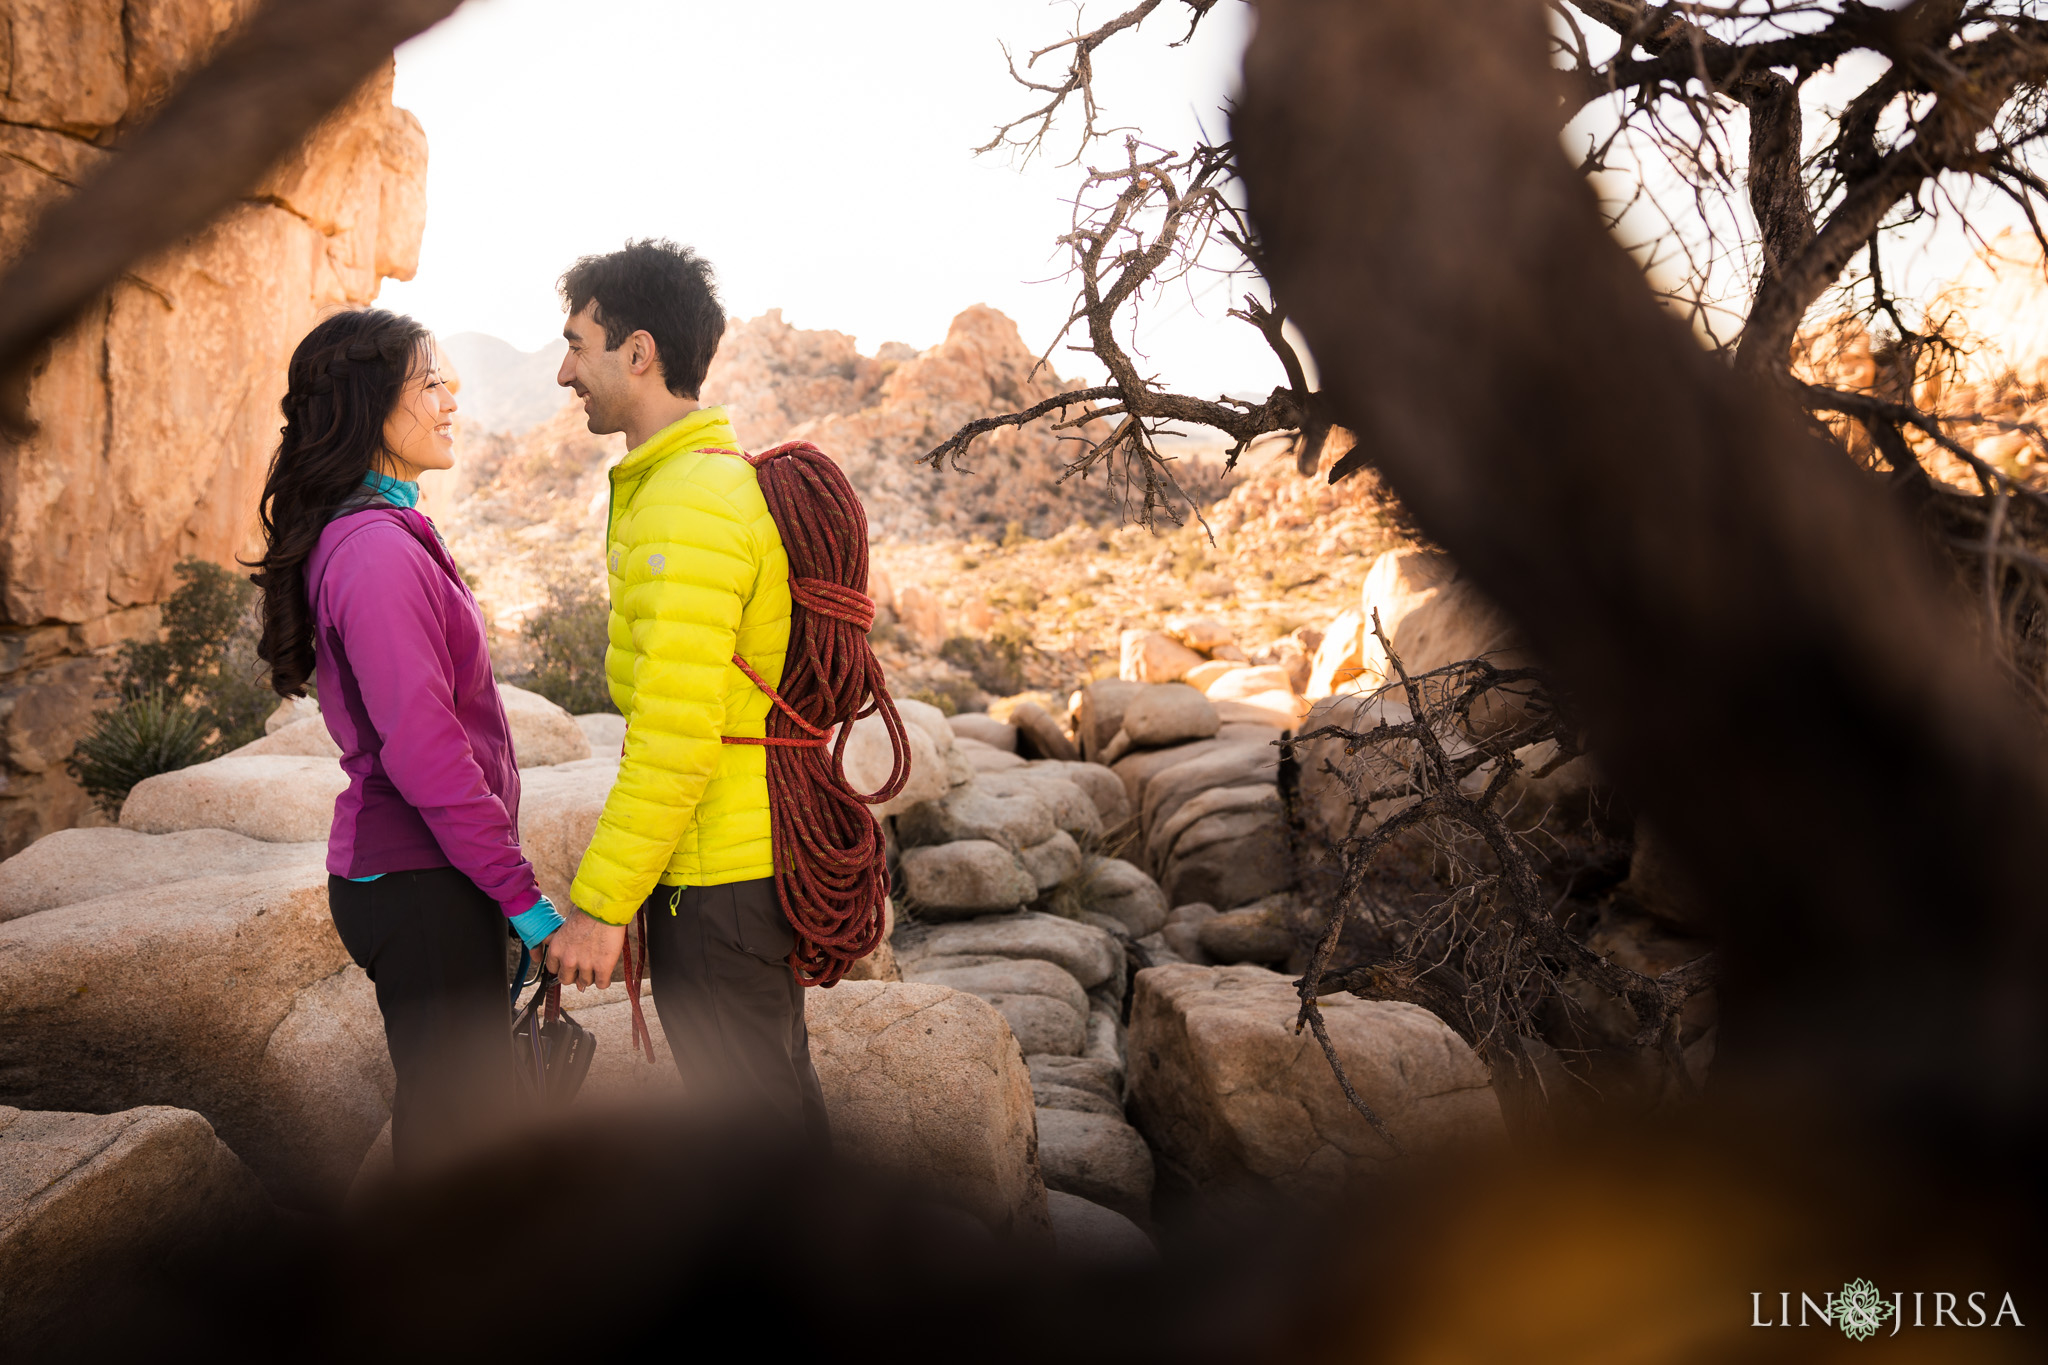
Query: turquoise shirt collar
[397,492]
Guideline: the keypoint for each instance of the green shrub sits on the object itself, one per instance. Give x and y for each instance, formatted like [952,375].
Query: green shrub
[568,634]
[207,656]
[194,694]
[996,664]
[139,738]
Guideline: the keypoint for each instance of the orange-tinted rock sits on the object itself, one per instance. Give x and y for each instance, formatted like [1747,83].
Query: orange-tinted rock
[156,414]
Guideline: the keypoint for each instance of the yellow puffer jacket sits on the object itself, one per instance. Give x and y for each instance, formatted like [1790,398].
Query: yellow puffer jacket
[698,573]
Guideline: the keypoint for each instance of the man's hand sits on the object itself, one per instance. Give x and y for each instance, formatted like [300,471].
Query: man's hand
[585,951]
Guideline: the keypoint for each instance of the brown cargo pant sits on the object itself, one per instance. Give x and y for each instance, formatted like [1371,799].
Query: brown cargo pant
[730,1009]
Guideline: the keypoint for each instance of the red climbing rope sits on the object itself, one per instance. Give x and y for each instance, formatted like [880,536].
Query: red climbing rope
[829,865]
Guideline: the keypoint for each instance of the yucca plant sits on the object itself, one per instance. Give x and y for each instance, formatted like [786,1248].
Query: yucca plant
[140,737]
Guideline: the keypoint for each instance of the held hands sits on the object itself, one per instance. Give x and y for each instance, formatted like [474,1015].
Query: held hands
[584,951]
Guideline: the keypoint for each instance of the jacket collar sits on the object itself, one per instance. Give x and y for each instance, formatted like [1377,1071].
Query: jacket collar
[698,429]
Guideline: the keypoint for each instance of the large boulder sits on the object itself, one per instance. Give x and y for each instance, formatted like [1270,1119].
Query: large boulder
[89,1200]
[1101,786]
[1136,771]
[306,738]
[1072,808]
[870,758]
[1099,1157]
[1227,765]
[969,877]
[1231,857]
[1170,713]
[1039,735]
[924,716]
[277,798]
[985,729]
[1088,954]
[920,1079]
[1204,634]
[1014,816]
[1099,713]
[1043,1004]
[76,865]
[1151,656]
[1251,682]
[1124,893]
[558,811]
[543,733]
[928,1081]
[606,731]
[1224,1088]
[1089,1235]
[1340,658]
[1056,860]
[1433,615]
[228,995]
[1260,932]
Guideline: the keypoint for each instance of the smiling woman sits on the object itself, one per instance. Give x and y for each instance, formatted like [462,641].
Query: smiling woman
[425,873]
[419,434]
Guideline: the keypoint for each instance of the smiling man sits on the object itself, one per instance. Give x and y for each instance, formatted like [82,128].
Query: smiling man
[698,575]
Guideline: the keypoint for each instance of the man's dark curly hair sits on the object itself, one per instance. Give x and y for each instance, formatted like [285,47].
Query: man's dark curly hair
[656,287]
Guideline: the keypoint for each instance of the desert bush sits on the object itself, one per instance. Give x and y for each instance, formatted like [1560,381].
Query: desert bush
[568,635]
[996,664]
[196,692]
[140,737]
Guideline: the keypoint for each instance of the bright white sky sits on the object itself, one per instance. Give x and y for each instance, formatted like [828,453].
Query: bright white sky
[818,152]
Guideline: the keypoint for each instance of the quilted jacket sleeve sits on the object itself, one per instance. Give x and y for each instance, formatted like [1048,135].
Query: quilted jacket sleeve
[686,575]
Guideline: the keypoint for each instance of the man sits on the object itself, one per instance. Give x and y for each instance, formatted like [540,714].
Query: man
[698,574]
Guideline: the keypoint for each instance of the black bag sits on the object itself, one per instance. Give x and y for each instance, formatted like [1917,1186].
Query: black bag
[550,1050]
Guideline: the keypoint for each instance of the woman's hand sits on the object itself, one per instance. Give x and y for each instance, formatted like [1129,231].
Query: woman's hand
[584,951]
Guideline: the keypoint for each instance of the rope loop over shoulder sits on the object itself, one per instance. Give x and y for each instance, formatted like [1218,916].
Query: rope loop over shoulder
[830,869]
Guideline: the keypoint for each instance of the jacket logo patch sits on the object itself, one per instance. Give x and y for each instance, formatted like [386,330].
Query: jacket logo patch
[615,561]
[654,563]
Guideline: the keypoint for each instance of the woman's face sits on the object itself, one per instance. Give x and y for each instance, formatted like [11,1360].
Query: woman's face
[419,432]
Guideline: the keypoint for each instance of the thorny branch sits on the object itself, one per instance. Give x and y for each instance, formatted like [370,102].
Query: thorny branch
[1442,759]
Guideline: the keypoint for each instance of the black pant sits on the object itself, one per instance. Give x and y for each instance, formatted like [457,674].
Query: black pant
[732,1012]
[435,947]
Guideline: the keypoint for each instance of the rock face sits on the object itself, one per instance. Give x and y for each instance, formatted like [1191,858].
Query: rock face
[928,1080]
[783,384]
[86,1199]
[1225,1089]
[967,877]
[1098,1157]
[229,995]
[1152,656]
[75,865]
[1173,713]
[155,416]
[275,798]
[1433,615]
[1086,953]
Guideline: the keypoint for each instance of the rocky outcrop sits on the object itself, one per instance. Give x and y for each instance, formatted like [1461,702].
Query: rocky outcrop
[1225,1089]
[229,995]
[928,1081]
[87,1200]
[279,799]
[154,416]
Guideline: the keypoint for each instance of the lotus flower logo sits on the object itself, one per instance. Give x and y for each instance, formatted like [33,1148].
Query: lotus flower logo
[1859,1310]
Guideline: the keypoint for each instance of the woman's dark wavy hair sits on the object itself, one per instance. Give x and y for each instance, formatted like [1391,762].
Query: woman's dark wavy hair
[344,380]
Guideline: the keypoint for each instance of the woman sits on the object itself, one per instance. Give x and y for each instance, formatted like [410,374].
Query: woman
[424,865]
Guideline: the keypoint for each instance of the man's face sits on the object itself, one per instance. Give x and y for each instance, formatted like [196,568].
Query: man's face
[600,377]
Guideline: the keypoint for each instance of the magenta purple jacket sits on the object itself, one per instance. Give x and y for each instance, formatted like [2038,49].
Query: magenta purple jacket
[404,670]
